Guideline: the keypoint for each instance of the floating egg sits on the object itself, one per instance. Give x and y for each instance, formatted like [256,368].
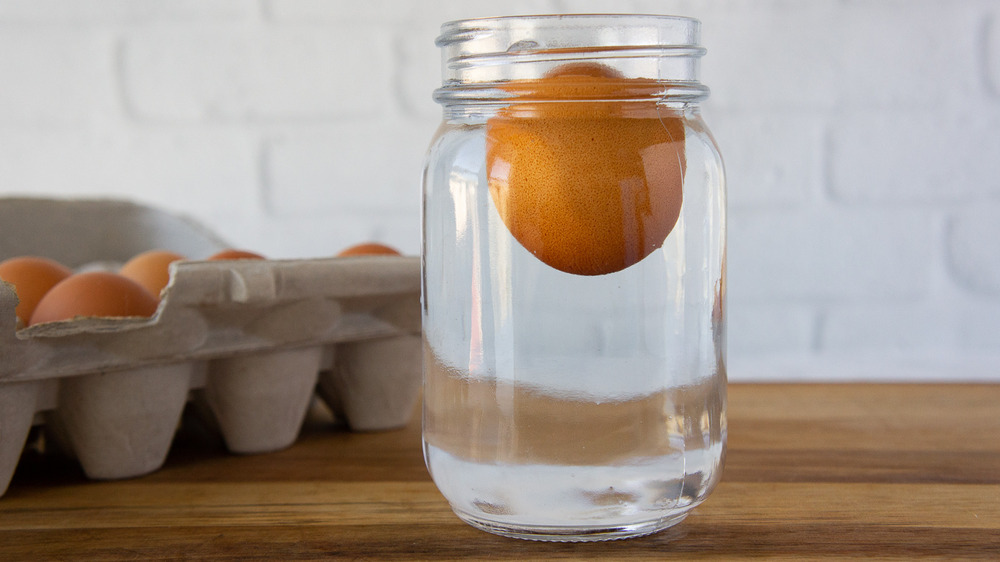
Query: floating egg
[584,177]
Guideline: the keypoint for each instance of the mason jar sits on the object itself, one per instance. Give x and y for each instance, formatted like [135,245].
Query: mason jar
[573,277]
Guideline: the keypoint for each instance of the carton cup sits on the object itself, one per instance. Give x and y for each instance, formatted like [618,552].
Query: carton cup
[374,383]
[259,400]
[120,424]
[17,410]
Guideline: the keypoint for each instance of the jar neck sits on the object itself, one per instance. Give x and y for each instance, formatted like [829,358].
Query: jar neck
[492,60]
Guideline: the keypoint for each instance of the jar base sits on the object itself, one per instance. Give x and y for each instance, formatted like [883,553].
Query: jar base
[567,533]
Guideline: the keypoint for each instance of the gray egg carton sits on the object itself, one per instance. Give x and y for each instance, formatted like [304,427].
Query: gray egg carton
[251,342]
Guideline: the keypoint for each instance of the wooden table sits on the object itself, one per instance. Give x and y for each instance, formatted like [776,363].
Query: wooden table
[848,470]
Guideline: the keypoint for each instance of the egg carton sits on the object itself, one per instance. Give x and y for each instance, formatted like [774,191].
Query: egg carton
[250,342]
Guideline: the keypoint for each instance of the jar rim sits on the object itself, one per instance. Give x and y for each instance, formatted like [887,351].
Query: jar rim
[673,29]
[486,22]
[479,55]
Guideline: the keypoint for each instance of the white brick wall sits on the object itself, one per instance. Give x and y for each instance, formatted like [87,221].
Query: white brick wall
[862,142]
[973,249]
[255,74]
[54,77]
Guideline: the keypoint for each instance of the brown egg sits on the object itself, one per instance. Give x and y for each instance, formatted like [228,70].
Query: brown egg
[369,249]
[95,293]
[232,254]
[32,277]
[151,269]
[587,187]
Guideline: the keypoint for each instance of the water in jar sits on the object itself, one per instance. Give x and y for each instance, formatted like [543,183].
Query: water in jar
[564,403]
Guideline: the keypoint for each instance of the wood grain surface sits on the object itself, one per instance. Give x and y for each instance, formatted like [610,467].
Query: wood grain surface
[813,471]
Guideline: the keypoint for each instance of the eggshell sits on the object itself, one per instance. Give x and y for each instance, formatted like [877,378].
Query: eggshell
[369,249]
[94,293]
[589,187]
[150,269]
[32,277]
[232,254]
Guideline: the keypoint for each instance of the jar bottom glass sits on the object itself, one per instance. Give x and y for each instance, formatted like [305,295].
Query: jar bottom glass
[574,533]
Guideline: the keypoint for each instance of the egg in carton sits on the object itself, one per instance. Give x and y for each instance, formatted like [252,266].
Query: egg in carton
[250,341]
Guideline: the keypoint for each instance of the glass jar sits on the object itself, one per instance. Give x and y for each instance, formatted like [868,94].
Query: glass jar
[573,277]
